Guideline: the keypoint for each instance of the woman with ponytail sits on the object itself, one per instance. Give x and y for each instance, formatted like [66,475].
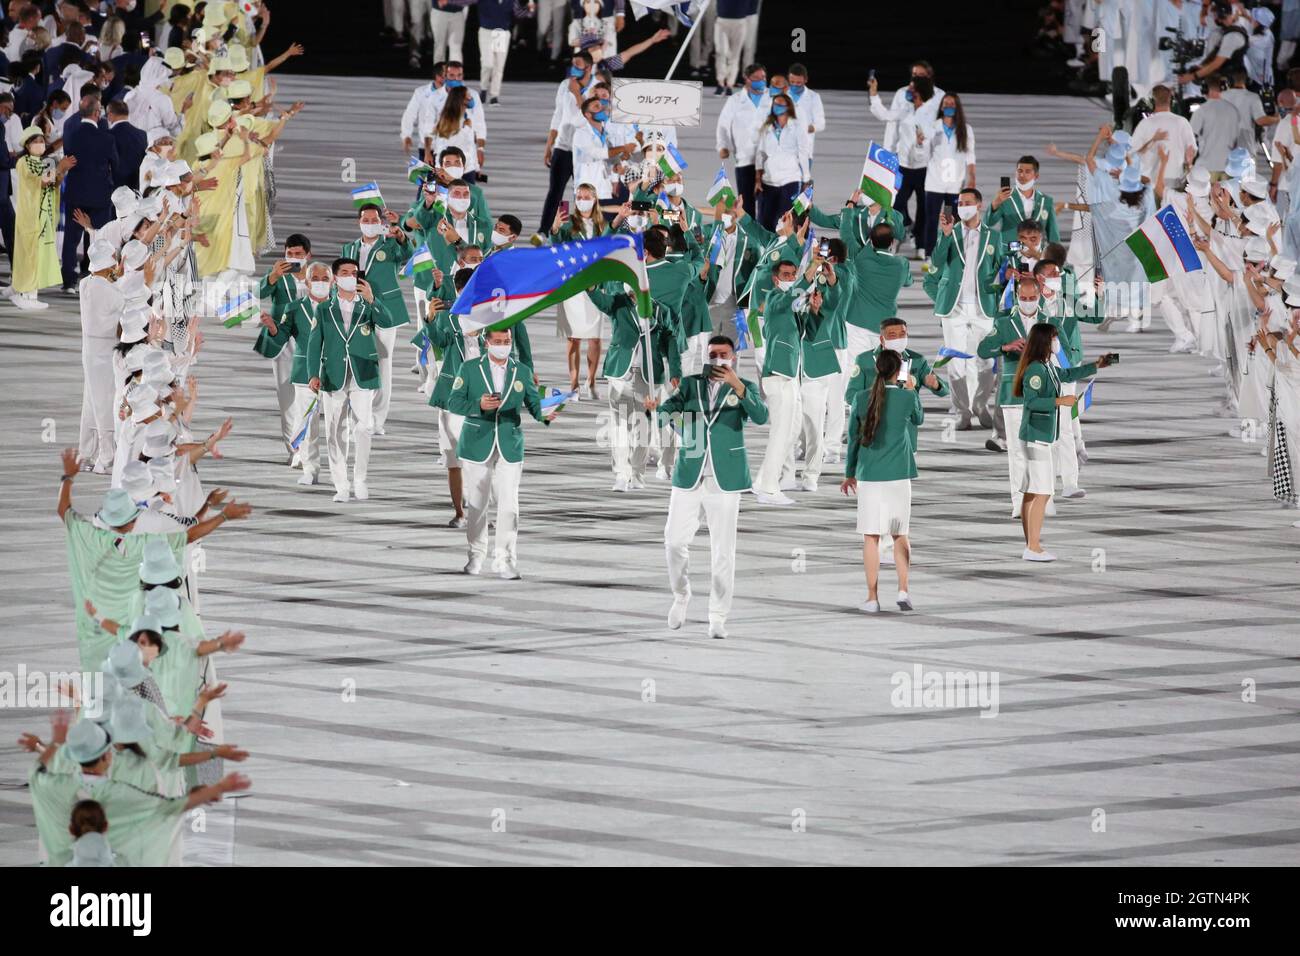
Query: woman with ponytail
[882,455]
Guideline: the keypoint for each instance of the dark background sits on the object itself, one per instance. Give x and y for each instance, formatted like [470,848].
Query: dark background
[978,46]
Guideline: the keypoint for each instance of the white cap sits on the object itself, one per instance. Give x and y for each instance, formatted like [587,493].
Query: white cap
[135,254]
[123,198]
[1257,249]
[134,358]
[162,470]
[102,256]
[1283,267]
[1291,289]
[137,482]
[135,326]
[159,438]
[1198,181]
[1255,187]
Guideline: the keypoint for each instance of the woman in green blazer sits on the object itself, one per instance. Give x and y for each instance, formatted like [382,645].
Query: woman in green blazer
[1038,382]
[882,455]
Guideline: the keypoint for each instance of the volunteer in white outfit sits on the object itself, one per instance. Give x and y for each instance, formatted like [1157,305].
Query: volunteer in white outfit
[914,106]
[781,161]
[411,115]
[782,368]
[101,312]
[809,104]
[151,108]
[739,123]
[595,158]
[431,108]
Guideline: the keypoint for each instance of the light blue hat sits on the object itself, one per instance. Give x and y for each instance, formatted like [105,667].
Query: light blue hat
[145,622]
[159,565]
[1130,180]
[87,742]
[91,849]
[129,724]
[1239,162]
[164,605]
[1122,137]
[111,691]
[1113,158]
[118,509]
[1263,16]
[127,666]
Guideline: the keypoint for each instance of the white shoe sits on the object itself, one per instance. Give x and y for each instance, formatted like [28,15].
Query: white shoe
[100,469]
[1038,555]
[904,602]
[295,459]
[789,484]
[27,304]
[677,613]
[307,478]
[1134,327]
[621,485]
[508,570]
[586,393]
[1015,511]
[379,430]
[1074,493]
[661,474]
[808,484]
[7,291]
[830,458]
[474,565]
[776,499]
[636,484]
[341,495]
[870,607]
[360,491]
[717,627]
[1295,524]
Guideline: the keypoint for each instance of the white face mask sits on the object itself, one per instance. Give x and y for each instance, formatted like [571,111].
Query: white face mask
[500,240]
[1052,284]
[967,213]
[586,205]
[785,285]
[499,352]
[347,283]
[719,362]
[371,229]
[674,189]
[454,172]
[319,289]
[728,220]
[1027,306]
[895,345]
[1029,186]
[636,223]
[458,204]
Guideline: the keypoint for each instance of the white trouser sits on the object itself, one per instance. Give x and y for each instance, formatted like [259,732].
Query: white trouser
[728,45]
[1013,415]
[551,20]
[499,479]
[860,340]
[419,11]
[782,396]
[309,448]
[385,342]
[448,34]
[721,509]
[285,394]
[449,425]
[493,48]
[97,411]
[1065,456]
[702,39]
[751,37]
[352,406]
[629,428]
[696,354]
[972,380]
[814,394]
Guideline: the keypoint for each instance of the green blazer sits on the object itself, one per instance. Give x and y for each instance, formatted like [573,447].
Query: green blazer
[626,334]
[297,323]
[823,331]
[1008,216]
[478,232]
[880,276]
[772,249]
[891,456]
[566,233]
[715,429]
[862,374]
[943,285]
[855,224]
[677,285]
[782,334]
[332,348]
[749,247]
[1041,386]
[282,293]
[1007,327]
[382,268]
[502,428]
[1069,314]
[445,333]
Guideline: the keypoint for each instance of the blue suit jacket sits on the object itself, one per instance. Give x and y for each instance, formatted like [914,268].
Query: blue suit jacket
[89,184]
[29,97]
[132,143]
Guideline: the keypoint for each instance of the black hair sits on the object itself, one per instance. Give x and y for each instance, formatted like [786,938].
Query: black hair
[512,223]
[979,196]
[371,205]
[838,249]
[461,278]
[722,340]
[888,364]
[1038,348]
[752,68]
[890,322]
[1028,161]
[656,243]
[450,151]
[1029,225]
[343,261]
[298,239]
[882,235]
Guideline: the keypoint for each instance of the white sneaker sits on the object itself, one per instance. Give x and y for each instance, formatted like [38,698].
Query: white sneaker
[904,601]
[474,565]
[870,607]
[457,521]
[508,570]
[1038,555]
[661,474]
[1074,493]
[1134,327]
[830,458]
[29,303]
[360,491]
[717,627]
[1015,511]
[636,484]
[341,495]
[586,393]
[621,485]
[677,613]
[307,478]
[808,484]
[789,484]
[776,499]
[379,430]
[1295,524]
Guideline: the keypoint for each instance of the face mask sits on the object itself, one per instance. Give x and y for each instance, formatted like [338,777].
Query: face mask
[950,111]
[600,117]
[455,172]
[1028,307]
[453,84]
[347,283]
[719,362]
[785,285]
[575,72]
[1027,187]
[500,240]
[59,114]
[458,204]
[674,189]
[778,110]
[727,220]
[636,223]
[796,92]
[500,352]
[586,205]
[319,289]
[895,345]
[36,149]
[371,229]
[758,86]
[1053,284]
[967,213]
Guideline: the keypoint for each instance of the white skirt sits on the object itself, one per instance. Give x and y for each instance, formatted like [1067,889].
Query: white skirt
[1039,478]
[884,507]
[578,318]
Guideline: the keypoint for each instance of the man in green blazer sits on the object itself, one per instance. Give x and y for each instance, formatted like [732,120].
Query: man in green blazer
[282,285]
[782,316]
[1022,201]
[856,220]
[381,253]
[712,471]
[728,275]
[492,392]
[293,330]
[964,286]
[893,335]
[822,343]
[343,363]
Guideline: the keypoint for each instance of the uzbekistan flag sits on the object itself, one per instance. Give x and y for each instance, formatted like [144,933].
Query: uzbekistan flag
[420,261]
[238,310]
[367,194]
[881,178]
[512,285]
[1085,401]
[715,247]
[671,162]
[802,203]
[946,355]
[1163,246]
[306,424]
[554,396]
[684,10]
[417,171]
[721,190]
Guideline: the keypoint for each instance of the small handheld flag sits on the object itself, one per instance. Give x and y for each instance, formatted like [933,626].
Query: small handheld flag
[369,193]
[721,191]
[417,171]
[946,355]
[715,246]
[1085,401]
[742,331]
[556,397]
[238,310]
[662,200]
[881,176]
[1163,246]
[306,424]
[671,162]
[420,261]
[802,202]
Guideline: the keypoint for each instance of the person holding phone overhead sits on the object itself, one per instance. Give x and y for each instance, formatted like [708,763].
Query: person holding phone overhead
[879,468]
[1038,383]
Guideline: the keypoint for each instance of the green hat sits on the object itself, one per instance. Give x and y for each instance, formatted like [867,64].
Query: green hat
[218,113]
[159,565]
[239,89]
[126,665]
[87,742]
[129,723]
[164,604]
[118,509]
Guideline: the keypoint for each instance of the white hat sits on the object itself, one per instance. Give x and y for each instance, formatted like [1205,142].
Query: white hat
[137,482]
[140,412]
[87,741]
[1283,267]
[135,254]
[132,286]
[151,208]
[161,378]
[1291,289]
[163,472]
[102,256]
[165,605]
[159,439]
[141,394]
[134,358]
[1255,187]
[1198,181]
[1257,249]
[135,326]
[1260,216]
[180,167]
[125,664]
[167,176]
[158,563]
[123,198]
[150,167]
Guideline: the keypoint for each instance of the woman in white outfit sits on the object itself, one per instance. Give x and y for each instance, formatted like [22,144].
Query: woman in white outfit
[578,319]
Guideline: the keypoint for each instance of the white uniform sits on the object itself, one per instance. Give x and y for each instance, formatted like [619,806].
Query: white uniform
[101,311]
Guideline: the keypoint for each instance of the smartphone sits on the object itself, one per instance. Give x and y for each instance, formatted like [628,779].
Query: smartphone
[144,40]
[1112,357]
[1013,246]
[1006,182]
[564,209]
[716,371]
[952,211]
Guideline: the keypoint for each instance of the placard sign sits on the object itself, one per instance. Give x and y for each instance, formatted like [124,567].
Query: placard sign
[657,102]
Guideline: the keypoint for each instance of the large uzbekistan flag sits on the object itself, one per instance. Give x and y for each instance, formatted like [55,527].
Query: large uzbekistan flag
[1163,246]
[881,177]
[512,285]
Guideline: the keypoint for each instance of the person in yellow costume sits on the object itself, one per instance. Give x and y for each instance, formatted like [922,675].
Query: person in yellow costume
[190,94]
[224,153]
[263,132]
[36,219]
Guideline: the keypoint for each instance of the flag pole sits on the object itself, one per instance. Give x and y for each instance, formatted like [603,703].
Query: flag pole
[687,42]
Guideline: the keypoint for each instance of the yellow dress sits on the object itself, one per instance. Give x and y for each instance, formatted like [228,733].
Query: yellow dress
[36,258]
[255,187]
[217,209]
[257,80]
[193,120]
